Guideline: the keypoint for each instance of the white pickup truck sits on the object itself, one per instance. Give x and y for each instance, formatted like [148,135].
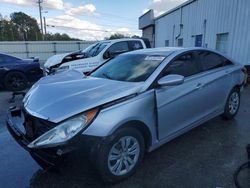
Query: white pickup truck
[93,56]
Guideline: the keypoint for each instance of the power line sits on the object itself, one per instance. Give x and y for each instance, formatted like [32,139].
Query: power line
[68,27]
[116,16]
[120,26]
[109,18]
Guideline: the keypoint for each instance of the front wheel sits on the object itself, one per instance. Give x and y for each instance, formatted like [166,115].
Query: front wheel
[119,157]
[232,105]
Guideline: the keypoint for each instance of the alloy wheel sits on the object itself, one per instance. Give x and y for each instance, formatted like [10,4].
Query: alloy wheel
[123,156]
[234,102]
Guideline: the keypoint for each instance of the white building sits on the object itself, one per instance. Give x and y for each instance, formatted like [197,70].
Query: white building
[223,25]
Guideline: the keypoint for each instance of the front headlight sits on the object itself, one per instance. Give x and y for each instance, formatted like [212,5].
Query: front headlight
[64,131]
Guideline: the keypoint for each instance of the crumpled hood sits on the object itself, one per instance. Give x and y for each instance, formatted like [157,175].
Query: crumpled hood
[66,94]
[56,59]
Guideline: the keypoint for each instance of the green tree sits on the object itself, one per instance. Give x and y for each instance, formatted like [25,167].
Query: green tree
[26,26]
[116,36]
[21,26]
[59,37]
[6,30]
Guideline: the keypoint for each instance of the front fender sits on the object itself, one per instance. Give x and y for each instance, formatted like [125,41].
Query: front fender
[140,108]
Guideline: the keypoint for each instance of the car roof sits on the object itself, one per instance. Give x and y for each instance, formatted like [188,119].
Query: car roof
[120,40]
[165,51]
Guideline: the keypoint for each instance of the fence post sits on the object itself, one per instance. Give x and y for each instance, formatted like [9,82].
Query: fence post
[54,45]
[79,45]
[27,49]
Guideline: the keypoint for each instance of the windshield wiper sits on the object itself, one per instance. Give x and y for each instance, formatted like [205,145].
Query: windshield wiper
[95,52]
[106,76]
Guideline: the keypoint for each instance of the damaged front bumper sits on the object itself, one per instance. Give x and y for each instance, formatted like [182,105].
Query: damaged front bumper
[51,156]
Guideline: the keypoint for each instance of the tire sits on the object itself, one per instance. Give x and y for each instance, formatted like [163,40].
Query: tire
[232,104]
[15,81]
[110,149]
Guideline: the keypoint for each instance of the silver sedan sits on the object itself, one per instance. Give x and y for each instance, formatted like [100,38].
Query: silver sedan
[130,105]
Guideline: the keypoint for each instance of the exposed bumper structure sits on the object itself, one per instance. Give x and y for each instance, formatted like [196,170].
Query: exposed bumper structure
[46,157]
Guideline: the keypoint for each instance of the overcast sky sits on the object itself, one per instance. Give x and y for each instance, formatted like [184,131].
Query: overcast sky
[90,19]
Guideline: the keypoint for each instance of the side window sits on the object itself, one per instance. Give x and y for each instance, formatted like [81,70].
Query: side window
[135,45]
[118,47]
[210,60]
[184,65]
[226,61]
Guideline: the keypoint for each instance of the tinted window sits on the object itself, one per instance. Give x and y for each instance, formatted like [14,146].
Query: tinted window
[130,68]
[184,65]
[135,45]
[119,47]
[210,60]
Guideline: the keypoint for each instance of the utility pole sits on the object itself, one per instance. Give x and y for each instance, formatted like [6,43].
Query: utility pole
[44,24]
[40,13]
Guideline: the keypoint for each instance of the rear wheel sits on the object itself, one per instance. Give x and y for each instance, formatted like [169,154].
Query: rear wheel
[119,157]
[232,105]
[15,81]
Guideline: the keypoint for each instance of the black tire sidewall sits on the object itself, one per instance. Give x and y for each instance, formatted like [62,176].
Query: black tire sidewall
[227,114]
[10,88]
[102,154]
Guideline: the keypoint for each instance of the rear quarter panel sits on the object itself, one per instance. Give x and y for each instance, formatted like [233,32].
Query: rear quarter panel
[236,77]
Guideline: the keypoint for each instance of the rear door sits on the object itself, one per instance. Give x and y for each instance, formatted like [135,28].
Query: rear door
[217,80]
[116,49]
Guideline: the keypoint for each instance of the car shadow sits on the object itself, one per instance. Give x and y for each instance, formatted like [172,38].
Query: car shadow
[194,154]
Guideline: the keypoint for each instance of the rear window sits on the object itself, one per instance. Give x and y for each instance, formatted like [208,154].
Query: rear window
[210,60]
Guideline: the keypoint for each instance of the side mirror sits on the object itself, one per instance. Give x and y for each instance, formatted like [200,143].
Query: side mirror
[171,80]
[109,55]
[106,55]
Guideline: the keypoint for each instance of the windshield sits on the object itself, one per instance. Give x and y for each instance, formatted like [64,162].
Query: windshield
[95,49]
[129,67]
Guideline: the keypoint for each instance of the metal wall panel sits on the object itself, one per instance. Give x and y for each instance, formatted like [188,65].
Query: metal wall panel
[220,16]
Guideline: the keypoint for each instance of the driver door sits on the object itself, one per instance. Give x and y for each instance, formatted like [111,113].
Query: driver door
[180,106]
[116,49]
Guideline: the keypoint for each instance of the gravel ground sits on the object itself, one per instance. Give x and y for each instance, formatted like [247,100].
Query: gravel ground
[205,157]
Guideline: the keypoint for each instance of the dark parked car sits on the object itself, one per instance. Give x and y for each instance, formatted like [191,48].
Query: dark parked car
[16,73]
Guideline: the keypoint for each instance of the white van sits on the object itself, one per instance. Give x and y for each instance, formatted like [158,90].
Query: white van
[93,56]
